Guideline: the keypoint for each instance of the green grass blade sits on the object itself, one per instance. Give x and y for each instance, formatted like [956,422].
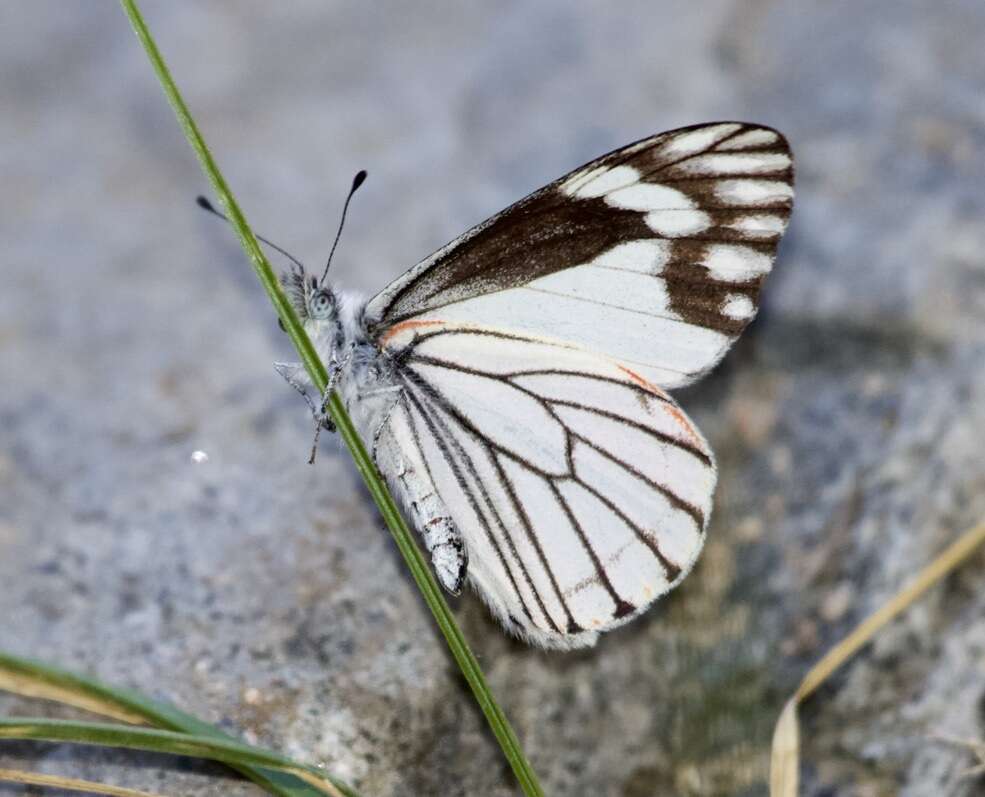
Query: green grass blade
[398,528]
[170,742]
[36,679]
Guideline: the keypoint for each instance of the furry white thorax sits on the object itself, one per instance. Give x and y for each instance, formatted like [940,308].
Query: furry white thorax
[360,373]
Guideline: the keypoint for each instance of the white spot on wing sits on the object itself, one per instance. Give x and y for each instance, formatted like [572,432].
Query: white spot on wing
[735,263]
[645,256]
[632,149]
[715,163]
[759,225]
[649,196]
[629,290]
[674,223]
[753,192]
[599,181]
[738,306]
[752,138]
[693,141]
[579,178]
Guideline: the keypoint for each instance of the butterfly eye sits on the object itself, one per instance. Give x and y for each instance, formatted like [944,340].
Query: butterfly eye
[322,305]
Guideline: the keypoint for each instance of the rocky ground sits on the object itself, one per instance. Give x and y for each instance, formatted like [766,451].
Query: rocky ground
[265,595]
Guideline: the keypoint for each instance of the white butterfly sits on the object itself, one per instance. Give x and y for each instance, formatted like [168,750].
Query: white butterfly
[513,385]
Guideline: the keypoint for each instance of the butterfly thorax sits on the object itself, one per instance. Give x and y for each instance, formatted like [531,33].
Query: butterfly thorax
[335,323]
[357,369]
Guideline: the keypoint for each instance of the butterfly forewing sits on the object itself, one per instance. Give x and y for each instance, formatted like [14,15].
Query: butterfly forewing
[676,231]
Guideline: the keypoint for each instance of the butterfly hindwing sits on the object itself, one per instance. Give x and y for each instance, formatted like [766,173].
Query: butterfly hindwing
[652,255]
[581,490]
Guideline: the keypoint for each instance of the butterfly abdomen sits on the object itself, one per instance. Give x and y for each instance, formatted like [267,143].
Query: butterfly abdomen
[375,398]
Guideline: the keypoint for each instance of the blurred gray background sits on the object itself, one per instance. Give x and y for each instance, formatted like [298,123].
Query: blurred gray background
[265,595]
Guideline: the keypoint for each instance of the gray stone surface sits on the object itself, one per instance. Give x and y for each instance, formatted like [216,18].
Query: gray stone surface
[265,595]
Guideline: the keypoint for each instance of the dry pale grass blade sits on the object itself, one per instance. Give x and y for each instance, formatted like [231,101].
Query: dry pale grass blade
[785,757]
[975,746]
[69,784]
[18,677]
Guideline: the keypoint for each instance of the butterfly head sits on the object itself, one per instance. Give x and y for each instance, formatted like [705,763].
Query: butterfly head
[317,307]
[313,301]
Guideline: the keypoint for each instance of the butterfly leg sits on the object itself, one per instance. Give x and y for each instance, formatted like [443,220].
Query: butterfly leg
[335,368]
[322,416]
[297,377]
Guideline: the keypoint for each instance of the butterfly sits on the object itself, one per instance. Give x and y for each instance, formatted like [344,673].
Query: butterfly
[513,386]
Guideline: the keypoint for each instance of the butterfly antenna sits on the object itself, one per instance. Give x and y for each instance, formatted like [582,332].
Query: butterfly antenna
[357,181]
[204,204]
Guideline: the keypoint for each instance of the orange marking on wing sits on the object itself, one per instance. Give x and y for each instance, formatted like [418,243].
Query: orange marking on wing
[672,408]
[643,383]
[685,425]
[396,329]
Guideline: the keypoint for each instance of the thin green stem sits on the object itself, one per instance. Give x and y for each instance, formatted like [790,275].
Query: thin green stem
[398,528]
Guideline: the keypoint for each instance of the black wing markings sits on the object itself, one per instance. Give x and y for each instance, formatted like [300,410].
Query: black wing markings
[663,437]
[534,540]
[675,500]
[404,355]
[591,226]
[555,229]
[622,607]
[442,433]
[673,571]
[408,356]
[633,151]
[531,239]
[439,413]
[441,440]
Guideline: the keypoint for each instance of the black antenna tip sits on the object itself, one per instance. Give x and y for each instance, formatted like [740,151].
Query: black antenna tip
[357,181]
[202,202]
